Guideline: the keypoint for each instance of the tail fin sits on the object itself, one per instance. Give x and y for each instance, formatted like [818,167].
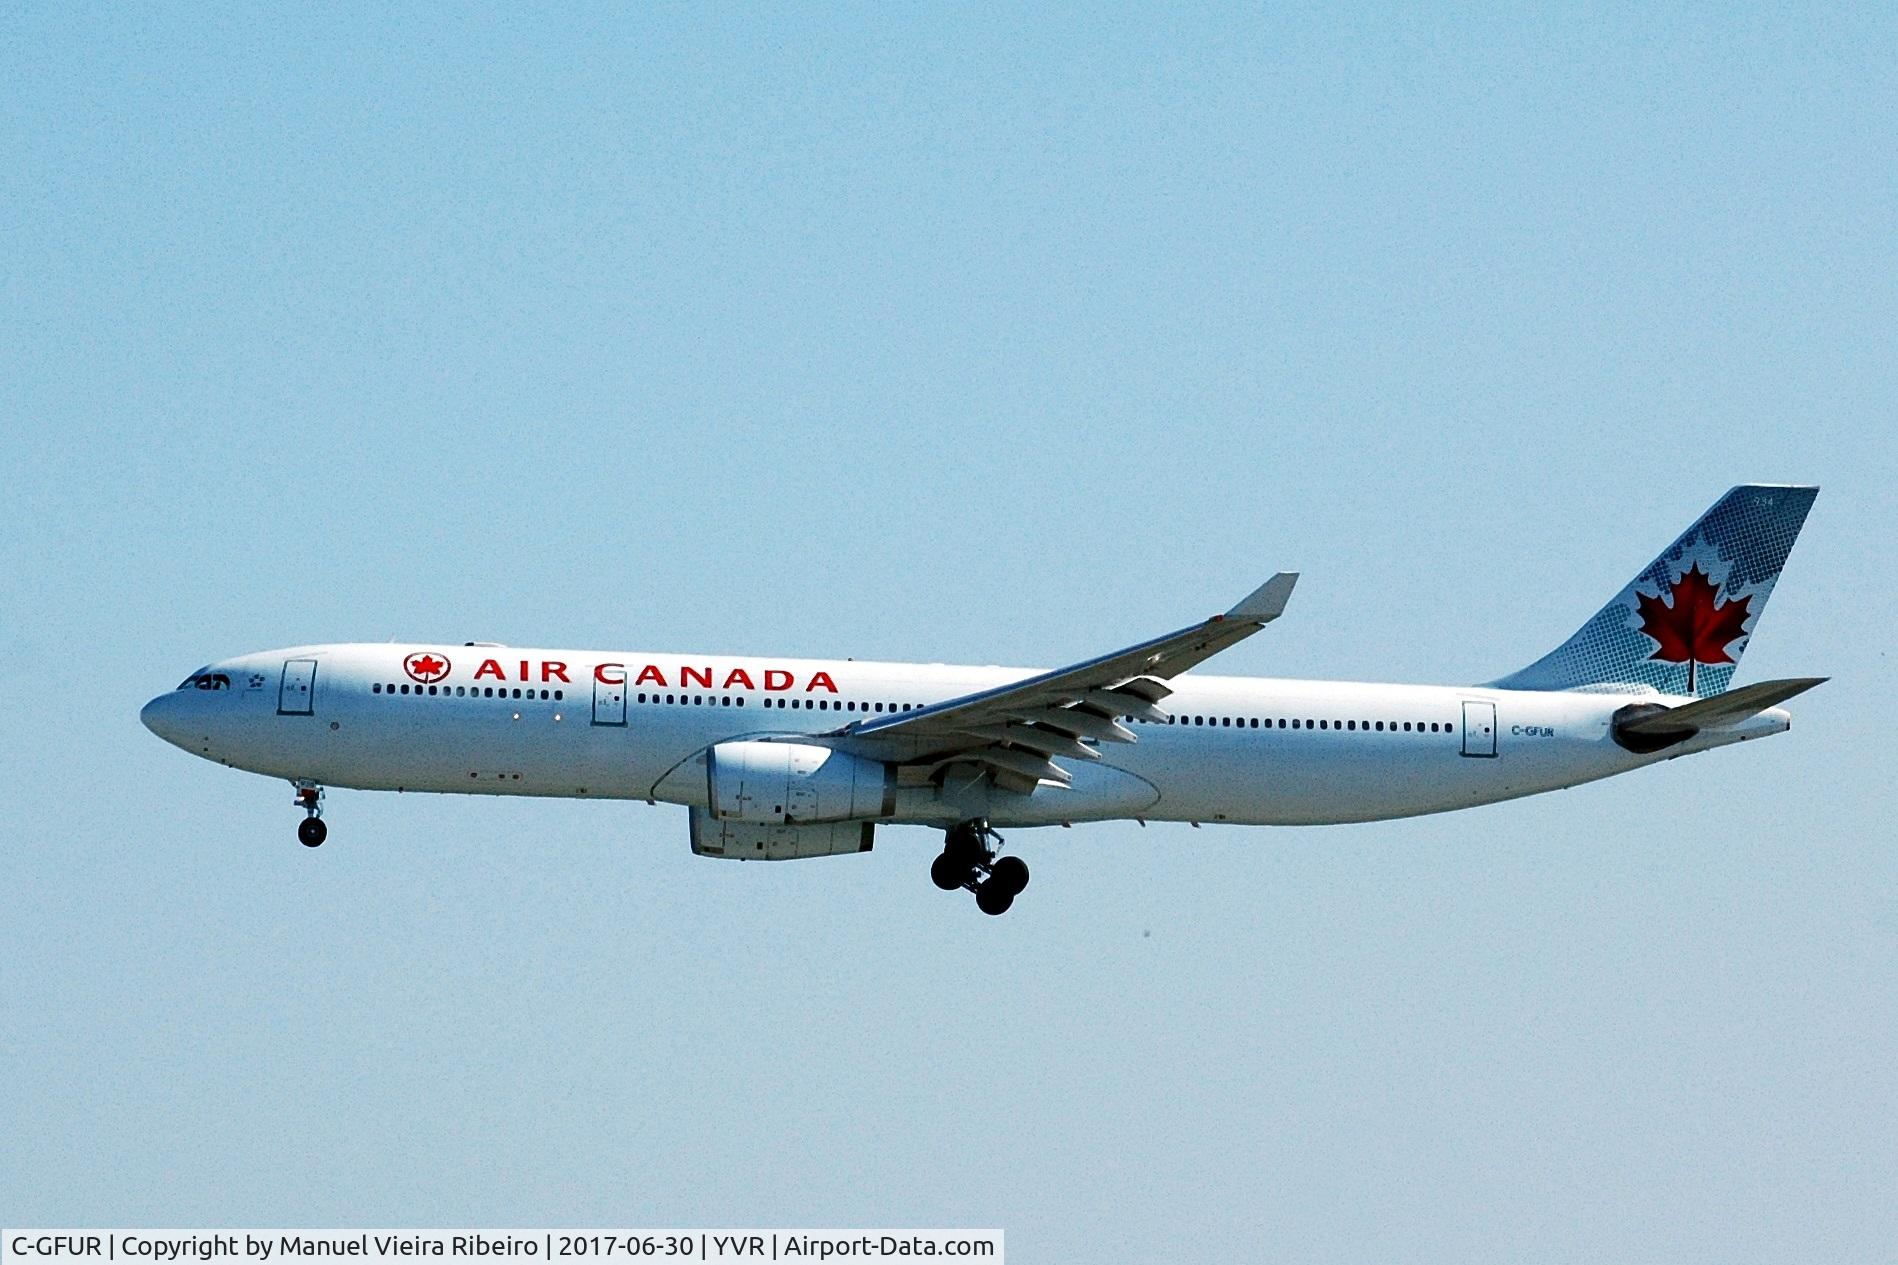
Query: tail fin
[1681,625]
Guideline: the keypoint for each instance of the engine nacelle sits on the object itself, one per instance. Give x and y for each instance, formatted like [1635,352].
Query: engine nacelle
[774,783]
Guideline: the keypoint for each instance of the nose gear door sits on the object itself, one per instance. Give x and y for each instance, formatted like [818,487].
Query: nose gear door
[294,696]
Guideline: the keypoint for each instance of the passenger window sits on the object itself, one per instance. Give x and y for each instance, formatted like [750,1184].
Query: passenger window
[376,688]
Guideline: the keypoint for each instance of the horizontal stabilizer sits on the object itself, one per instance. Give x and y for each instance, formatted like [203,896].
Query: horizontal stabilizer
[1722,709]
[1645,728]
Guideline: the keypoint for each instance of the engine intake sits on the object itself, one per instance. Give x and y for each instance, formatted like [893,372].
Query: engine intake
[779,783]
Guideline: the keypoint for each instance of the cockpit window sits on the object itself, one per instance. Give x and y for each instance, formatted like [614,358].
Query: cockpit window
[202,680]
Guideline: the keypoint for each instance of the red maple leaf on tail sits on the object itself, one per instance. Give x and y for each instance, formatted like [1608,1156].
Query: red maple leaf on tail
[1696,627]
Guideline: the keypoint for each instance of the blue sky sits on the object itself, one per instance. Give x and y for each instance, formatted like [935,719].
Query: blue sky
[913,333]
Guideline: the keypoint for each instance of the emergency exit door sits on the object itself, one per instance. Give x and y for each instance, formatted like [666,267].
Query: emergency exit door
[609,696]
[294,695]
[1479,728]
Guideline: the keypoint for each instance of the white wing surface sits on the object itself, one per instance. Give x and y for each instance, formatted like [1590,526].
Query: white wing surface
[1018,732]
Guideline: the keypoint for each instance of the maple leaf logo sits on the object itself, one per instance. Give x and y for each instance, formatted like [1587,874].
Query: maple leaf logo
[426,667]
[1695,627]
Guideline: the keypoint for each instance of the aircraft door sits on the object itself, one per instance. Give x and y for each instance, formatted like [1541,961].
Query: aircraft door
[298,690]
[609,694]
[1479,728]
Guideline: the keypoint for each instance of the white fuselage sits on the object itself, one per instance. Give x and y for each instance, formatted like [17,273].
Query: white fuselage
[511,721]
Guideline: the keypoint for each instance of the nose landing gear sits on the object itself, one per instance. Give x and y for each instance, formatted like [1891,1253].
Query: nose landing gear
[311,831]
[969,861]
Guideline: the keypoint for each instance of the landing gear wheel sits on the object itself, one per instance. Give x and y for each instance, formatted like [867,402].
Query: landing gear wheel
[969,860]
[311,832]
[993,899]
[950,872]
[1010,873]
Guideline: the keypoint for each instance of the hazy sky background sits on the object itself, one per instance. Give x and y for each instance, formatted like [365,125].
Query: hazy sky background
[932,334]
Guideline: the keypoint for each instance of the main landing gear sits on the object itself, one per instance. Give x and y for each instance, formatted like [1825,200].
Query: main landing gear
[311,831]
[968,860]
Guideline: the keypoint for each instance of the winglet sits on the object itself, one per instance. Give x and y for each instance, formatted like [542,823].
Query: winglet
[1267,602]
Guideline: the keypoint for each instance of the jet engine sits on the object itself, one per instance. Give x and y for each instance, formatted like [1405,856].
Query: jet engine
[774,783]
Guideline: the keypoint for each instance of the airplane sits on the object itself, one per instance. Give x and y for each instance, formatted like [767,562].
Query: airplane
[779,759]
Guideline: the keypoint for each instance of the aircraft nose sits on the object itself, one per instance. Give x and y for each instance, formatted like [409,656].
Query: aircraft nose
[163,716]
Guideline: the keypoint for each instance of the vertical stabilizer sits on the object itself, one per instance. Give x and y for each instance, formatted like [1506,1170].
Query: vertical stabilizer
[1681,625]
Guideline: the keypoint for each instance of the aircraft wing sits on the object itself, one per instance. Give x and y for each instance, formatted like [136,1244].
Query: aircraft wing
[1016,732]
